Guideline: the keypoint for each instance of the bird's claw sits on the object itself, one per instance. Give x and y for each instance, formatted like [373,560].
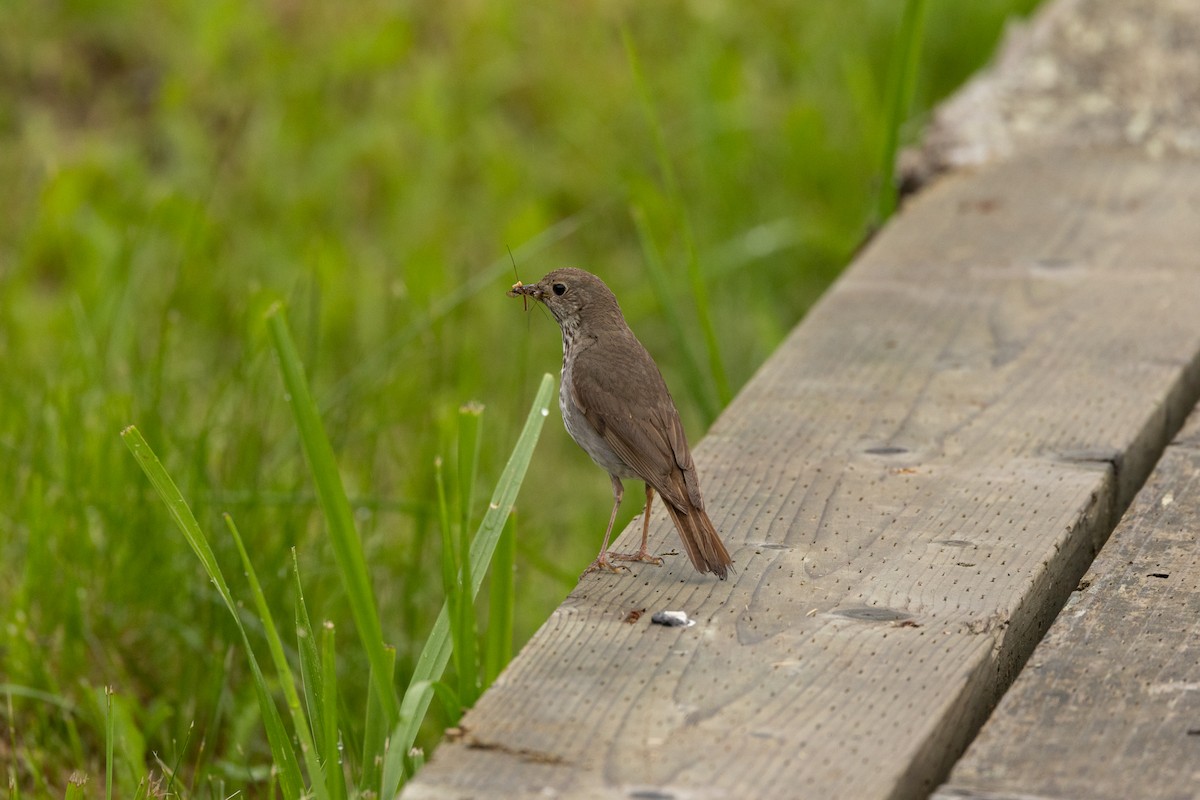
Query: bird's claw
[641,555]
[603,564]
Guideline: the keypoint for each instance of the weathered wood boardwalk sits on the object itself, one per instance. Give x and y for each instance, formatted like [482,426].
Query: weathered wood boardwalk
[1108,708]
[911,487]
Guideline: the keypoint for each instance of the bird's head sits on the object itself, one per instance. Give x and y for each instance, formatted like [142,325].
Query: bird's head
[574,297]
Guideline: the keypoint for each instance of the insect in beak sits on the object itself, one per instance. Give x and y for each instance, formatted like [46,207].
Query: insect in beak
[520,290]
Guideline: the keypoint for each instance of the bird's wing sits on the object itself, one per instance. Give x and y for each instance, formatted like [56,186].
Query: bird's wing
[638,420]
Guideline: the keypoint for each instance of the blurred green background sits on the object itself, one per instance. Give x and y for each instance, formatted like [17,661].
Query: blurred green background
[169,169]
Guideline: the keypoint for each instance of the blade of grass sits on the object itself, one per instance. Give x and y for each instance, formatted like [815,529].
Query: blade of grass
[906,56]
[287,766]
[375,741]
[416,700]
[130,740]
[695,275]
[300,723]
[173,771]
[501,603]
[311,675]
[109,736]
[699,387]
[436,653]
[343,535]
[451,583]
[335,779]
[11,690]
[470,423]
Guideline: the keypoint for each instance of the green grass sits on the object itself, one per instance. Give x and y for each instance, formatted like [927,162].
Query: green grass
[316,725]
[170,171]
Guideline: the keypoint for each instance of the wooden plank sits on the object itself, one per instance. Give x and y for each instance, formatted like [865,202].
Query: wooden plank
[911,487]
[1109,706]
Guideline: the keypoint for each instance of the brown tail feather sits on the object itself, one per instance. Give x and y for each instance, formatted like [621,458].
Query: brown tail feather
[700,539]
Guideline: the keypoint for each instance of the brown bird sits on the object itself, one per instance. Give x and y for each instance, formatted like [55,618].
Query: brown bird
[616,406]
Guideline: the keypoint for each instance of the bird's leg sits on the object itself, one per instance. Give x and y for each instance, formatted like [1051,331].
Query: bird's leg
[642,554]
[602,561]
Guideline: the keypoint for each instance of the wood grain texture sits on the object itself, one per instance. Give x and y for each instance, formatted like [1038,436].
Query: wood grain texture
[910,487]
[1109,705]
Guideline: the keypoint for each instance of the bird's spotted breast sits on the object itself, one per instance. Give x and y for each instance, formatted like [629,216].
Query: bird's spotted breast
[577,424]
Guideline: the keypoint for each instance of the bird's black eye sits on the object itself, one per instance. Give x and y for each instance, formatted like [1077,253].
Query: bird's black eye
[559,289]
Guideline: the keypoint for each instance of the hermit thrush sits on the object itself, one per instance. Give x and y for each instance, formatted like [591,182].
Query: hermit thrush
[617,408]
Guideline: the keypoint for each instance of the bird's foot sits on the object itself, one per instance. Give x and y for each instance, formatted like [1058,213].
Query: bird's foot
[642,555]
[602,564]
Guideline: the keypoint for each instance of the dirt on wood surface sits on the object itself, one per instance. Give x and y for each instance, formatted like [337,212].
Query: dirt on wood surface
[1078,74]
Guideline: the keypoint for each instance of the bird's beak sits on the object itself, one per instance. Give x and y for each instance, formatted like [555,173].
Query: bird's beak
[522,290]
